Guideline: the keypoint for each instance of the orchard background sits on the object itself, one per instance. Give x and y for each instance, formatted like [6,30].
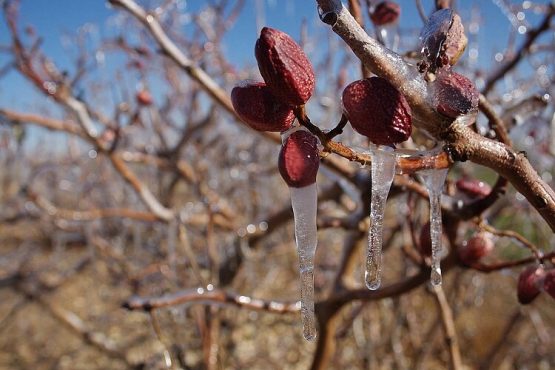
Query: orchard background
[143,226]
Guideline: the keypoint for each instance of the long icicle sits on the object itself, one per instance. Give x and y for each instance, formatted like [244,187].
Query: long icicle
[304,204]
[434,180]
[383,172]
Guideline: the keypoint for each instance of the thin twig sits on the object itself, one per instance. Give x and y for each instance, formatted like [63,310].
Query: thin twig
[449,328]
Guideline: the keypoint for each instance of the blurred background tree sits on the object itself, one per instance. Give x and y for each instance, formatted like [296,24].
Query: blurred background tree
[143,226]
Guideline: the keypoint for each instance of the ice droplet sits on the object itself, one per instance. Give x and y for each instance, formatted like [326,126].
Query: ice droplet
[383,171]
[434,180]
[304,203]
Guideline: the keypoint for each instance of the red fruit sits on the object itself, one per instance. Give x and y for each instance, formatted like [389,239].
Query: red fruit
[529,284]
[425,245]
[377,110]
[259,109]
[144,98]
[386,12]
[298,159]
[549,283]
[284,67]
[454,95]
[473,188]
[443,39]
[475,248]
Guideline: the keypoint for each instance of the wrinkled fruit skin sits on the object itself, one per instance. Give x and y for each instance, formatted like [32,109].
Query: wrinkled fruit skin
[480,245]
[284,67]
[456,41]
[549,283]
[258,108]
[298,159]
[386,12]
[473,188]
[377,110]
[454,95]
[425,241]
[528,284]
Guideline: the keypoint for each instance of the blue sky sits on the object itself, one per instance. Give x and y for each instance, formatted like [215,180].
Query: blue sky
[53,18]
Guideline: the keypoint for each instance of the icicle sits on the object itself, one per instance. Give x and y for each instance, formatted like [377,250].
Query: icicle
[434,180]
[304,201]
[383,171]
[388,35]
[304,204]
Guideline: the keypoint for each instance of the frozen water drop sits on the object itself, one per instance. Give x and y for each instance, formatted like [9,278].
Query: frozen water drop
[383,171]
[304,204]
[434,180]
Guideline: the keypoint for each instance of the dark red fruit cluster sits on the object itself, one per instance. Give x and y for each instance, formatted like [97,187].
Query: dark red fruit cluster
[377,110]
[289,82]
[471,251]
[386,12]
[298,159]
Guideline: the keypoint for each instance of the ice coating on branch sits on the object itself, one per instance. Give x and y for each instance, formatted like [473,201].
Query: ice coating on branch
[304,204]
[434,180]
[383,172]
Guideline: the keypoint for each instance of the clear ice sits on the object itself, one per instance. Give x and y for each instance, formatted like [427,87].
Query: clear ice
[383,171]
[435,31]
[304,204]
[434,180]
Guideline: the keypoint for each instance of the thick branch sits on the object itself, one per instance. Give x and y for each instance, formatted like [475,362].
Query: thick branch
[468,145]
[465,144]
[387,64]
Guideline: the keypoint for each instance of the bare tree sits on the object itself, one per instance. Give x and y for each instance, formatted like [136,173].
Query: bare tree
[158,234]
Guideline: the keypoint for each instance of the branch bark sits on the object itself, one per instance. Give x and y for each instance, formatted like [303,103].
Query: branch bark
[463,143]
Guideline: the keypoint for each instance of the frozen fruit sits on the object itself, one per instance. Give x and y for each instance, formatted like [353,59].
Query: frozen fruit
[284,67]
[473,188]
[298,159]
[144,98]
[454,95]
[472,250]
[377,110]
[443,39]
[549,283]
[529,284]
[386,12]
[257,107]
